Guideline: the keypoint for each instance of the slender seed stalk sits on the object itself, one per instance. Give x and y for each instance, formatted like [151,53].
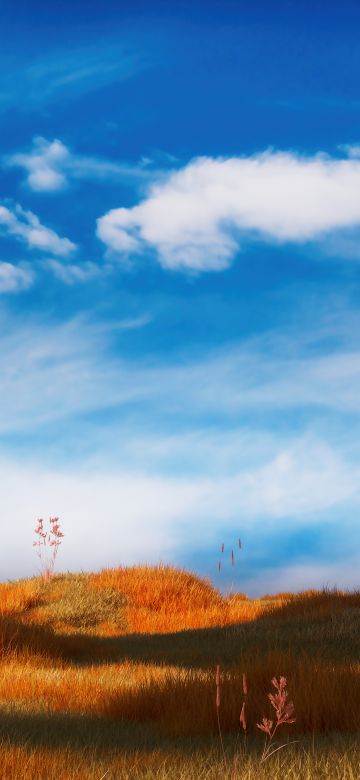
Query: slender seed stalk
[217,711]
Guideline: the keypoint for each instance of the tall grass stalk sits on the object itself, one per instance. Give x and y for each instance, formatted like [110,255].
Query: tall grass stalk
[283,710]
[50,538]
[217,711]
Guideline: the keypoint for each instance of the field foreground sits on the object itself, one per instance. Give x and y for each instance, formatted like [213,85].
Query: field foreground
[115,673]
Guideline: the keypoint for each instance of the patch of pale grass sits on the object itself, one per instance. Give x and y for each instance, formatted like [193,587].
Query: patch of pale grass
[69,600]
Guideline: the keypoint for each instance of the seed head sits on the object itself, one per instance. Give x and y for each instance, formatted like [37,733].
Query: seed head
[244,684]
[242,717]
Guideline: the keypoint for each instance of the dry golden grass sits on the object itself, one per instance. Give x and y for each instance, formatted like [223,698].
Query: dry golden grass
[327,759]
[110,667]
[18,596]
[163,599]
[314,604]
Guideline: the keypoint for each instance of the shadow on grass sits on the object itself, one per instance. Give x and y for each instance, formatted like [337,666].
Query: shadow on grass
[195,648]
[315,605]
[109,738]
[59,730]
[15,635]
[192,648]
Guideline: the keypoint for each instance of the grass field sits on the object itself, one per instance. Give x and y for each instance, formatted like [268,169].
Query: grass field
[114,674]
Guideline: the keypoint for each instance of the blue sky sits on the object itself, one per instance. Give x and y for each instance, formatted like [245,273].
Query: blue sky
[179,287]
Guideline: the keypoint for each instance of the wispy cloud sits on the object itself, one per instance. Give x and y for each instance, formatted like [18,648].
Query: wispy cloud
[72,368]
[65,74]
[71,273]
[68,369]
[200,217]
[27,228]
[132,323]
[51,165]
[53,375]
[15,278]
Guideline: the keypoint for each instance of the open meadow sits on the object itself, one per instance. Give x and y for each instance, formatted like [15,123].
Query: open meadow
[113,674]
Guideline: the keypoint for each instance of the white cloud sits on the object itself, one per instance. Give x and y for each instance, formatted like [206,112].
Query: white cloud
[70,273]
[108,519]
[128,500]
[198,218]
[122,517]
[67,369]
[71,368]
[14,278]
[43,165]
[351,150]
[50,166]
[26,226]
[303,478]
[306,576]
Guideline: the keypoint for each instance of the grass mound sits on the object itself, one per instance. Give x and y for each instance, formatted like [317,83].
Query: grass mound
[70,601]
[160,587]
[315,604]
[134,600]
[163,599]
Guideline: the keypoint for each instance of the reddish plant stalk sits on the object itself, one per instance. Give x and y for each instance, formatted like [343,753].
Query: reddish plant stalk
[217,711]
[283,711]
[51,539]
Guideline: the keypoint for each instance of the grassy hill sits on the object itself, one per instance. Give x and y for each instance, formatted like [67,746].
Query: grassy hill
[116,671]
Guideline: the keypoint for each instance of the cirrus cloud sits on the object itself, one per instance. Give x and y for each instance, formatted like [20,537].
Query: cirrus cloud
[198,218]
